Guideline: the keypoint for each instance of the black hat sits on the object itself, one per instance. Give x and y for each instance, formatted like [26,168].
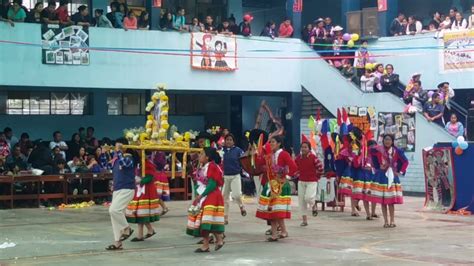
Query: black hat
[442,84]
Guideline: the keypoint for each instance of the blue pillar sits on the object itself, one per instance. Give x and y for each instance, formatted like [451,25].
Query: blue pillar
[295,18]
[154,13]
[235,7]
[347,6]
[293,130]
[386,17]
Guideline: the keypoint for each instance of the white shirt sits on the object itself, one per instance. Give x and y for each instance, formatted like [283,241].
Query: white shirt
[367,84]
[471,21]
[459,26]
[53,144]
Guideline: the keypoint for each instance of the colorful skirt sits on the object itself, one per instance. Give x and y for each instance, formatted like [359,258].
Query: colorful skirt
[162,186]
[144,208]
[275,208]
[361,183]
[346,181]
[379,192]
[210,218]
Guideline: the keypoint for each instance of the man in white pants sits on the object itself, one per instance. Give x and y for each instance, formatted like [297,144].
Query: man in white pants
[124,189]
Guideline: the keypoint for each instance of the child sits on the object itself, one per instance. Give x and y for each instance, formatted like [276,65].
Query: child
[310,169]
[144,208]
[161,181]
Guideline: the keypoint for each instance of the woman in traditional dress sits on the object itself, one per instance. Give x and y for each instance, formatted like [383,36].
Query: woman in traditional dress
[206,214]
[161,181]
[274,204]
[144,208]
[389,163]
[347,166]
[368,175]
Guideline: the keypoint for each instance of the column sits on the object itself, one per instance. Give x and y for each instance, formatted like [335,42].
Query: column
[292,125]
[347,6]
[295,17]
[235,7]
[154,13]
[386,17]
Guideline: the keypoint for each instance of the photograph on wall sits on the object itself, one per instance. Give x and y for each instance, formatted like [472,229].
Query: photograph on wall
[65,45]
[439,179]
[457,54]
[363,117]
[401,126]
[213,52]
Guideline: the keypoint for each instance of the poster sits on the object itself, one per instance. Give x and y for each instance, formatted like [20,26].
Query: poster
[213,52]
[401,126]
[457,54]
[381,5]
[298,6]
[65,45]
[439,179]
[363,117]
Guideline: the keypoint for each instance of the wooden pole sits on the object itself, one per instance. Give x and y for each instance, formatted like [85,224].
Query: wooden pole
[173,165]
[143,163]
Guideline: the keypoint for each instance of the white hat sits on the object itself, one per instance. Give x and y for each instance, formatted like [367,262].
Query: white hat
[338,28]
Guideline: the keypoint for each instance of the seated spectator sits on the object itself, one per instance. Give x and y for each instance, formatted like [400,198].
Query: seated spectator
[63,13]
[196,26]
[144,21]
[245,29]
[224,28]
[209,26]
[459,23]
[452,15]
[114,6]
[367,81]
[16,13]
[91,143]
[417,96]
[4,148]
[404,26]
[179,20]
[58,142]
[348,71]
[234,28]
[166,23]
[454,127]
[25,143]
[306,33]
[11,139]
[431,28]
[48,15]
[16,162]
[269,30]
[40,158]
[56,153]
[130,21]
[35,15]
[414,26]
[379,72]
[436,21]
[74,146]
[119,15]
[391,81]
[285,30]
[446,24]
[101,21]
[433,111]
[82,18]
[362,57]
[79,162]
[60,167]
[93,165]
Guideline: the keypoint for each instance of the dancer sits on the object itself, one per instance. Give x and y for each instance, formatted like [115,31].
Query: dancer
[345,160]
[232,181]
[355,155]
[389,163]
[209,202]
[368,174]
[161,181]
[309,172]
[274,204]
[124,187]
[144,208]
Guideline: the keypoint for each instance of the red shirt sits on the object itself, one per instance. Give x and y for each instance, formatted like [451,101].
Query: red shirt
[62,14]
[285,31]
[310,168]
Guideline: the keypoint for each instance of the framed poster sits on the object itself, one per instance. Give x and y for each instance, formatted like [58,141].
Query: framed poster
[65,45]
[213,52]
[363,117]
[401,126]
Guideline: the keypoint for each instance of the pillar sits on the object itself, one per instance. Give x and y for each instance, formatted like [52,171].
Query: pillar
[154,13]
[385,18]
[235,7]
[347,6]
[295,17]
[292,125]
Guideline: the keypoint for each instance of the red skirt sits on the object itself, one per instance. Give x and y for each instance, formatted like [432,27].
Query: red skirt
[162,186]
[144,208]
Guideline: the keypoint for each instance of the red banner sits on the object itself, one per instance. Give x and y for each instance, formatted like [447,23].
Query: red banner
[382,5]
[298,6]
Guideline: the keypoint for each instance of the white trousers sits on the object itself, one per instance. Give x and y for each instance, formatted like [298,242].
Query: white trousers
[258,186]
[232,187]
[120,201]
[306,195]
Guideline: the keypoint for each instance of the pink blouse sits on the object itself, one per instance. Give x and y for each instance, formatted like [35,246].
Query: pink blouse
[130,23]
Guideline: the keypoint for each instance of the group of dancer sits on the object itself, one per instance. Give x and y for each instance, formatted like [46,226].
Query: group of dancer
[365,171]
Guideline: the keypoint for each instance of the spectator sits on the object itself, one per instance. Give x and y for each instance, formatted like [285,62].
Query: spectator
[166,23]
[415,77]
[454,127]
[25,143]
[63,13]
[224,28]
[179,21]
[196,26]
[4,148]
[417,96]
[445,93]
[452,15]
[35,15]
[119,15]
[459,22]
[74,146]
[60,167]
[396,28]
[82,18]
[328,27]
[40,158]
[144,21]
[234,28]
[269,30]
[58,142]
[285,30]
[101,21]
[391,81]
[318,35]
[404,26]
[125,6]
[348,71]
[48,14]
[436,21]
[337,46]
[56,153]
[431,27]
[93,165]
[414,26]
[362,57]
[245,29]
[91,143]
[16,13]
[471,18]
[433,111]
[379,72]
[11,139]
[306,33]
[367,81]
[446,24]
[114,6]
[130,21]
[78,164]
[16,162]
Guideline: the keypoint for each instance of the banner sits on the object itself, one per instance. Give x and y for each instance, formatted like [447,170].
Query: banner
[65,45]
[458,52]
[213,52]
[439,179]
[401,126]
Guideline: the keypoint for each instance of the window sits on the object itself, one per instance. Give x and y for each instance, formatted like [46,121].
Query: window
[46,103]
[126,103]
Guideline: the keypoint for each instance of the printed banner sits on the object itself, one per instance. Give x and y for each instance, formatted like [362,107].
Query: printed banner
[439,179]
[458,52]
[364,118]
[213,52]
[65,45]
[401,126]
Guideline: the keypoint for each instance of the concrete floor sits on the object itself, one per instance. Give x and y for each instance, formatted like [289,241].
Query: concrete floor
[78,237]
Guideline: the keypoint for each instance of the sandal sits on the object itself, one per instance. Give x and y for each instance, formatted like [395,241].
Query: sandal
[386,226]
[315,213]
[271,239]
[268,232]
[150,235]
[211,241]
[226,222]
[304,224]
[125,237]
[282,236]
[219,246]
[243,212]
[369,218]
[375,216]
[200,250]
[355,214]
[165,211]
[392,225]
[114,247]
[136,239]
